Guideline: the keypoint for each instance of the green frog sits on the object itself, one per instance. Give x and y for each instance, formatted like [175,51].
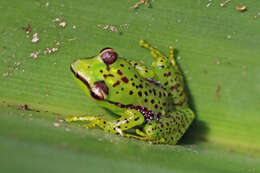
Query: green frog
[152,101]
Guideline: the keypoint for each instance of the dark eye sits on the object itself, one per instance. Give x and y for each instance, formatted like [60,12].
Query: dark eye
[109,56]
[104,49]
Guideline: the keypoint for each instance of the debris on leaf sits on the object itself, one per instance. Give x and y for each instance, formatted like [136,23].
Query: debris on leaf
[106,27]
[47,4]
[57,43]
[243,8]
[35,38]
[257,15]
[23,107]
[27,29]
[217,92]
[17,64]
[114,28]
[224,3]
[35,54]
[5,74]
[124,26]
[56,124]
[56,20]
[139,3]
[60,119]
[67,129]
[62,24]
[243,73]
[209,4]
[50,50]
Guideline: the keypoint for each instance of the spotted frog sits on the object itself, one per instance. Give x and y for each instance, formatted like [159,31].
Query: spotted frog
[152,101]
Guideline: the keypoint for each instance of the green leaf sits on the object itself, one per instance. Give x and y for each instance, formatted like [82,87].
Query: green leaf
[217,49]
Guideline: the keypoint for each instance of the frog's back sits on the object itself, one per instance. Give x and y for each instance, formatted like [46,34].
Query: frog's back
[127,87]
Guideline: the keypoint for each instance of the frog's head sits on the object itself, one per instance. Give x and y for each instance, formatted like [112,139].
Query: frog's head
[87,72]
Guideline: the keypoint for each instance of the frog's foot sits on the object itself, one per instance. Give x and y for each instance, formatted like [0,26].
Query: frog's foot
[135,137]
[139,135]
[158,55]
[130,118]
[171,57]
[154,52]
[144,137]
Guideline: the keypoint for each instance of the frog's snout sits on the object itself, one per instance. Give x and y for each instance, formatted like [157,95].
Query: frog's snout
[72,70]
[108,55]
[78,76]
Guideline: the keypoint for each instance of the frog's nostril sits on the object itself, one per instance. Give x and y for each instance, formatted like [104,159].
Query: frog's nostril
[109,56]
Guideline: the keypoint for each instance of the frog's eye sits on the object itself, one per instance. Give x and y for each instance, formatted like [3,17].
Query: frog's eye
[108,55]
[99,91]
[106,48]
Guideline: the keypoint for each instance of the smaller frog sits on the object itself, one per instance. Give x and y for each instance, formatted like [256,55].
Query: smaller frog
[150,100]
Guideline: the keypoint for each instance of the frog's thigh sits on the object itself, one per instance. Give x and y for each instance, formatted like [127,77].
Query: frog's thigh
[129,118]
[142,70]
[169,129]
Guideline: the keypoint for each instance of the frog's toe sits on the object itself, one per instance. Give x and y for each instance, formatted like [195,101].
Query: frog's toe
[142,42]
[142,138]
[69,119]
[139,132]
[92,124]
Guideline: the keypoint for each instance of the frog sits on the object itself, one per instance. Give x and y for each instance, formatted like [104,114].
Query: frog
[149,100]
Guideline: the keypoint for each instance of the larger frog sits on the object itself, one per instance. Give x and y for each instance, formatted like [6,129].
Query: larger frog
[150,100]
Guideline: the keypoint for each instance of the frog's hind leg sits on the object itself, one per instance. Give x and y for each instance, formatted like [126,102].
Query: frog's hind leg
[169,75]
[169,129]
[129,119]
[154,52]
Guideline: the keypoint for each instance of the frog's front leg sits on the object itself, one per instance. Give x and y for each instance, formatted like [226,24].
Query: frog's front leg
[129,118]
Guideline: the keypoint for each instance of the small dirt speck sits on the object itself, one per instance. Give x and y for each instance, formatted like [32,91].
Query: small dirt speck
[56,124]
[243,8]
[23,107]
[217,92]
[5,74]
[35,38]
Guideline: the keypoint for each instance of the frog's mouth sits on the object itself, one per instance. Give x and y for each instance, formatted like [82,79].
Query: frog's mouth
[99,91]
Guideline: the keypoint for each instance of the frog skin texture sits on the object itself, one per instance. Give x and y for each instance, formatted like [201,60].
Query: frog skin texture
[152,101]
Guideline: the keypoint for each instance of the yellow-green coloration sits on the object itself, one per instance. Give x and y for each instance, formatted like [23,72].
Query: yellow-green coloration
[151,100]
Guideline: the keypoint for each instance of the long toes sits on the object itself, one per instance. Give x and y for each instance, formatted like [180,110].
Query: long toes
[68,119]
[91,124]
